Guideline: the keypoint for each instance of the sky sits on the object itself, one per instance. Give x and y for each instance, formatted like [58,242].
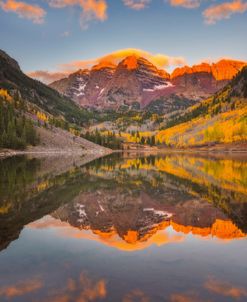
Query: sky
[56,37]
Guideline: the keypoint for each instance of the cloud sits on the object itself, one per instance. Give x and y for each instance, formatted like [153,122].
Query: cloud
[136,4]
[225,288]
[91,9]
[20,289]
[159,60]
[213,285]
[185,3]
[136,295]
[223,11]
[80,289]
[24,10]
[190,296]
[46,76]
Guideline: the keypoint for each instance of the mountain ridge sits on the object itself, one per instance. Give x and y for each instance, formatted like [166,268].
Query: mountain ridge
[136,83]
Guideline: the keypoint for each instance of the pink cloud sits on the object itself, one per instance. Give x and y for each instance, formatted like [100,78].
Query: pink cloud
[185,3]
[24,10]
[225,288]
[47,76]
[21,288]
[136,4]
[223,11]
[91,9]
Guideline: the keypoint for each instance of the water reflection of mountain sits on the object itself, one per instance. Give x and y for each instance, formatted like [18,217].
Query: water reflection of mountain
[134,198]
[32,188]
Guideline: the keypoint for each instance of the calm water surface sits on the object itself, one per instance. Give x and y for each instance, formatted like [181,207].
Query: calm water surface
[123,228]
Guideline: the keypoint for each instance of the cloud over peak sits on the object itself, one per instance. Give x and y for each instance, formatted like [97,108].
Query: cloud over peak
[159,60]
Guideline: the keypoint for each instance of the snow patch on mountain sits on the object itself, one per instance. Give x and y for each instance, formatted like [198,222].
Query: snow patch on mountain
[158,87]
[159,213]
[81,210]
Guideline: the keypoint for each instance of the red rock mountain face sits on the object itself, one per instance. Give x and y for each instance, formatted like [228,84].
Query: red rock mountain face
[200,81]
[135,83]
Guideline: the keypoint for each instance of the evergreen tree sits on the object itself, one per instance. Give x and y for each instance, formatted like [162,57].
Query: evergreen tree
[143,140]
[152,141]
[16,132]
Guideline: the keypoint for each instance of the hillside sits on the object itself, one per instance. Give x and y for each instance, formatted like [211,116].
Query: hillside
[24,129]
[48,99]
[219,119]
[34,117]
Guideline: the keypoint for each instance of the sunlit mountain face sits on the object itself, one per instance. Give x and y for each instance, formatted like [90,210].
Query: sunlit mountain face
[97,224]
[136,83]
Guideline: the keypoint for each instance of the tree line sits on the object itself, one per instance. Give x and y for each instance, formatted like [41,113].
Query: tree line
[16,131]
[108,139]
[144,140]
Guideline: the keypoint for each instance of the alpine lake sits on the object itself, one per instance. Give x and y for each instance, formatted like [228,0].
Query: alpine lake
[126,227]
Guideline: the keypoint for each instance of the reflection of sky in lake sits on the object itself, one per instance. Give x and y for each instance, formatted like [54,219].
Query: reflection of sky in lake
[54,260]
[194,266]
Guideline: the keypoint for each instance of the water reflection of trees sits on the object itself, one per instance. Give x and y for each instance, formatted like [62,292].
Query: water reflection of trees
[26,196]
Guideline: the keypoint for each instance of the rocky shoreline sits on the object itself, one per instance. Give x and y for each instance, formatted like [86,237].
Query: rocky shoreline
[41,152]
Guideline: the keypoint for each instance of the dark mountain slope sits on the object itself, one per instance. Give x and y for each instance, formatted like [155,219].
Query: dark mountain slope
[48,99]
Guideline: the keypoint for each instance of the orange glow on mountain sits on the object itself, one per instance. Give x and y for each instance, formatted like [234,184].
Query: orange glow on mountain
[221,229]
[223,70]
[132,241]
[104,235]
[131,237]
[130,62]
[180,71]
[157,236]
[226,69]
[104,64]
[226,230]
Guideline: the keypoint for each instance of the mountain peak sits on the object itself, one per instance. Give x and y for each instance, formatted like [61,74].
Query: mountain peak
[136,80]
[130,62]
[226,69]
